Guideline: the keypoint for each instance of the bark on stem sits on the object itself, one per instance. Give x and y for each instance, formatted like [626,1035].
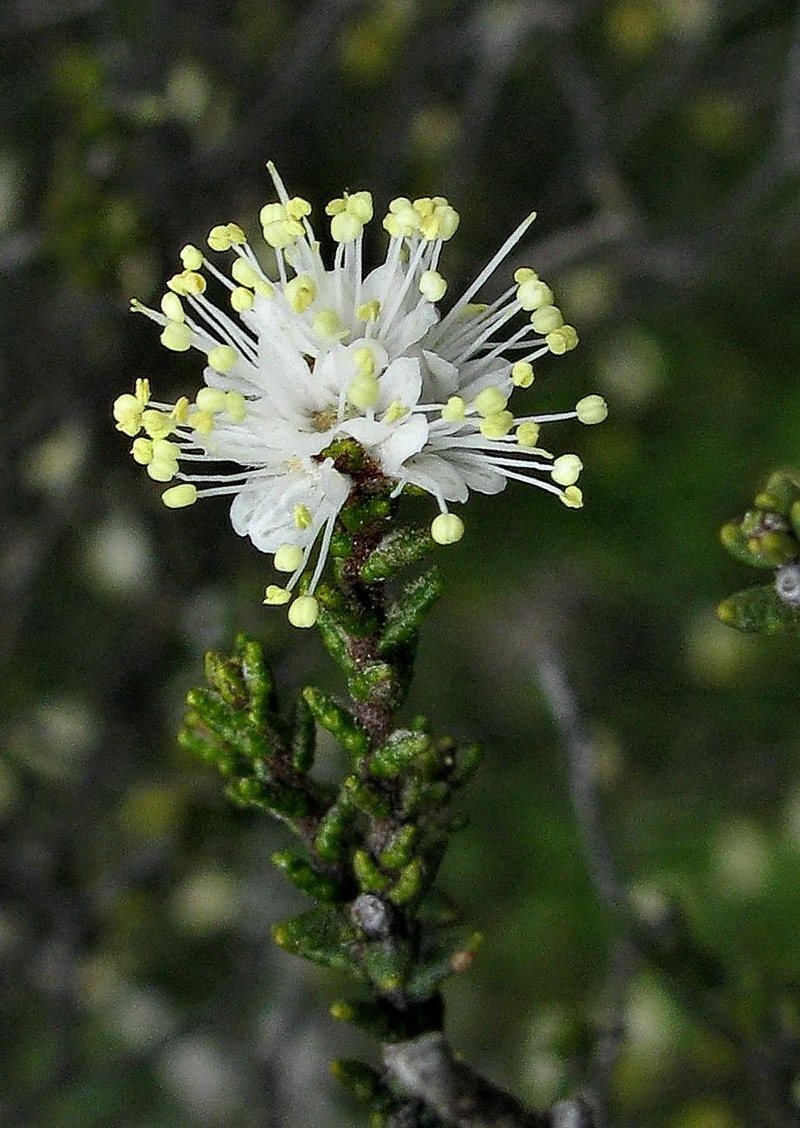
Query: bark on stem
[425,1068]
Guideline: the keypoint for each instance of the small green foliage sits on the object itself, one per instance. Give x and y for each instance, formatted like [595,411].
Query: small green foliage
[333,833]
[396,551]
[408,611]
[306,878]
[399,850]
[368,875]
[304,737]
[398,753]
[767,537]
[323,936]
[339,721]
[370,845]
[758,610]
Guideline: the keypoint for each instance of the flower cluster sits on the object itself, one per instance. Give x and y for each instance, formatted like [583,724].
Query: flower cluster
[320,354]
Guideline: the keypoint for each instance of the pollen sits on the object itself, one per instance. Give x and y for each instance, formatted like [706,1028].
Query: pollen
[274,596]
[301,515]
[497,425]
[303,611]
[490,401]
[591,409]
[300,292]
[447,528]
[179,497]
[454,411]
[562,340]
[288,558]
[176,336]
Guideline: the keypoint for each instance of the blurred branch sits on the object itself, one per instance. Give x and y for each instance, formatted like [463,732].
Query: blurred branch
[581,758]
[426,1068]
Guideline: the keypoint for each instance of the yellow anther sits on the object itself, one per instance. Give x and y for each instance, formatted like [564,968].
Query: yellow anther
[369,311]
[210,399]
[298,208]
[562,340]
[244,273]
[172,308]
[490,401]
[163,469]
[521,374]
[533,293]
[263,288]
[432,286]
[349,214]
[235,406]
[188,282]
[142,391]
[178,497]
[566,469]
[497,425]
[193,282]
[226,235]
[156,423]
[288,558]
[180,411]
[364,361]
[304,611]
[128,414]
[447,528]
[300,292]
[396,410]
[176,284]
[222,358]
[191,257]
[142,451]
[547,319]
[345,228]
[281,228]
[454,411]
[176,336]
[525,274]
[572,497]
[363,391]
[437,219]
[591,409]
[275,596]
[402,220]
[202,422]
[301,515]
[472,309]
[164,464]
[528,434]
[242,299]
[327,327]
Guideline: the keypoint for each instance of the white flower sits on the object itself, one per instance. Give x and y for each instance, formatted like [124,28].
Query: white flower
[319,354]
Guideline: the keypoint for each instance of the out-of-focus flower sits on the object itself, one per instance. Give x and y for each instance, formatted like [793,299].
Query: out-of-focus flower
[324,354]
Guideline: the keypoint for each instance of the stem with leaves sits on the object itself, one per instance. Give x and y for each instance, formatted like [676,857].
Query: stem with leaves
[368,851]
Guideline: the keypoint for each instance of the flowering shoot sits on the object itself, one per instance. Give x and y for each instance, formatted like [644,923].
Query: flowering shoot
[322,354]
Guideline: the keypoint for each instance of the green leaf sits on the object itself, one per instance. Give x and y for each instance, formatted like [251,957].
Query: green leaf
[323,936]
[339,721]
[407,613]
[397,550]
[760,611]
[781,491]
[303,875]
[396,756]
[304,736]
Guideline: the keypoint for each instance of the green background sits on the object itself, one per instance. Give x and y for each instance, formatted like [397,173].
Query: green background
[659,141]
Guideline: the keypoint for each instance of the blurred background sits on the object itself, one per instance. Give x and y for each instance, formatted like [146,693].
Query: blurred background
[659,141]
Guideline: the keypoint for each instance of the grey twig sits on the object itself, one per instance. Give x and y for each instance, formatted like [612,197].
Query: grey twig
[582,780]
[425,1068]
